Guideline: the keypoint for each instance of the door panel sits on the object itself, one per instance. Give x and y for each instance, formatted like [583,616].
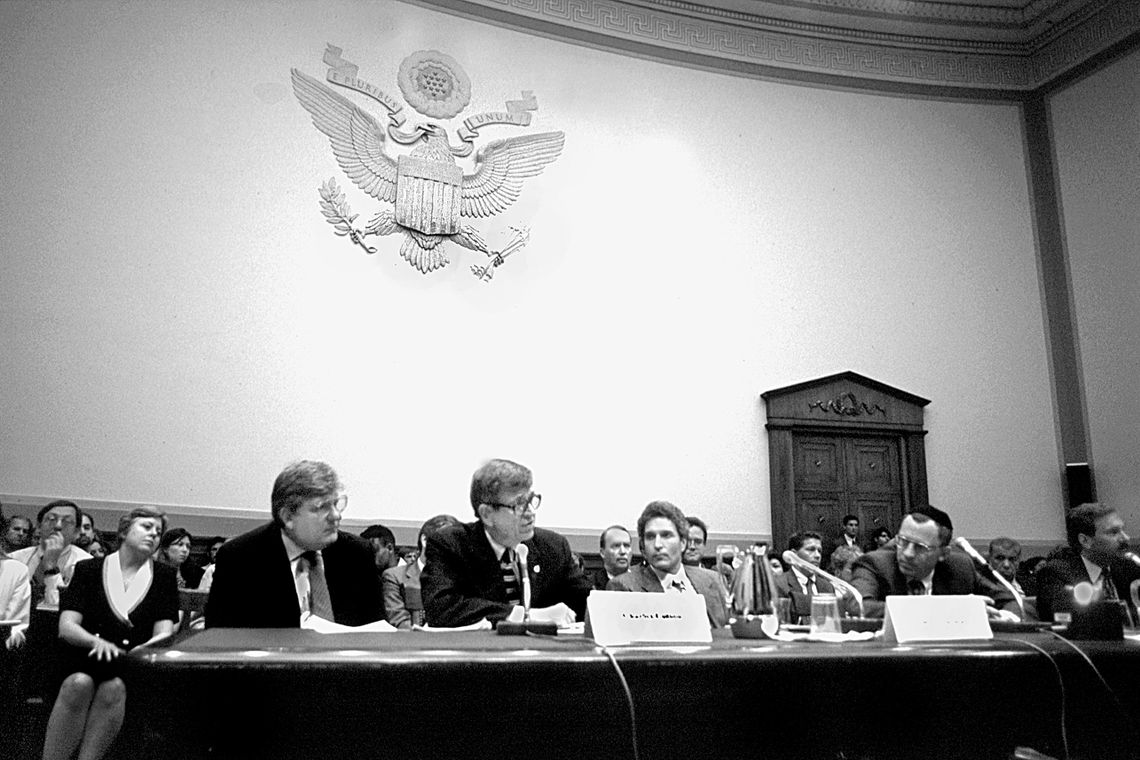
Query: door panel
[819,464]
[873,465]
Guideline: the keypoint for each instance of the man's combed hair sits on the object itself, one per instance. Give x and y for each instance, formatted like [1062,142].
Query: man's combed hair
[602,538]
[380,532]
[927,513]
[1006,544]
[301,481]
[797,541]
[496,476]
[434,525]
[60,503]
[700,524]
[1081,519]
[663,509]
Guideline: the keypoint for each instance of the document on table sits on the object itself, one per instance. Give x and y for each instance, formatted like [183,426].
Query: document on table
[320,625]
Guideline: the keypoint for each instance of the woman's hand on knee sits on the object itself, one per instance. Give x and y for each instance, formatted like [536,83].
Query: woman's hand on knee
[104,650]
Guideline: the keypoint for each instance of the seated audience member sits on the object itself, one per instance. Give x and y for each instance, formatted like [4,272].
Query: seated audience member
[661,532]
[111,606]
[383,546]
[616,550]
[922,564]
[52,561]
[212,556]
[86,532]
[776,564]
[174,550]
[298,563]
[842,561]
[96,549]
[472,570]
[880,537]
[1005,557]
[15,597]
[17,534]
[799,586]
[696,540]
[850,535]
[1095,556]
[403,596]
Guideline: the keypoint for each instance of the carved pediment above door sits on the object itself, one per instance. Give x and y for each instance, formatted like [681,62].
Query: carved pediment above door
[841,445]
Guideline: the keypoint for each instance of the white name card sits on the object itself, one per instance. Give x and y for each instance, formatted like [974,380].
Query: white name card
[935,618]
[632,617]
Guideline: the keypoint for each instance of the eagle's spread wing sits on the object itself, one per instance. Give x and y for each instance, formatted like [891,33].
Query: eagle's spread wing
[357,138]
[500,169]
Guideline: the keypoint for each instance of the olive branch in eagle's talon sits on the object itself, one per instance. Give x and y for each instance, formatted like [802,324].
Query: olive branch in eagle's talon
[340,216]
[516,243]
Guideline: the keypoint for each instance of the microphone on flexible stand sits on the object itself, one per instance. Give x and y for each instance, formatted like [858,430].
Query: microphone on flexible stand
[1132,557]
[791,558]
[506,628]
[980,561]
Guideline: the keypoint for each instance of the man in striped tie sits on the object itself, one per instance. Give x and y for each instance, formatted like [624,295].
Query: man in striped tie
[501,564]
[298,564]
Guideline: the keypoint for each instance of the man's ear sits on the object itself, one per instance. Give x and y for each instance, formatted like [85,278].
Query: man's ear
[1085,540]
[483,510]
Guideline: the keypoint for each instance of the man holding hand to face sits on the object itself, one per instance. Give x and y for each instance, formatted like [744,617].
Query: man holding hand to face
[483,570]
[51,561]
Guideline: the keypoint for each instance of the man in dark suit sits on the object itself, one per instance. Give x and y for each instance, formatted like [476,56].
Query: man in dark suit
[1096,557]
[798,585]
[616,549]
[403,595]
[922,564]
[662,533]
[483,570]
[298,564]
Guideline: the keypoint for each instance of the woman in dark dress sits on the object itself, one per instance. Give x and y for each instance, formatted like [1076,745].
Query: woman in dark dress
[112,605]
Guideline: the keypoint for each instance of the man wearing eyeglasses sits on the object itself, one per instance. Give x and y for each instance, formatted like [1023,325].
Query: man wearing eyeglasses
[51,561]
[299,564]
[486,569]
[922,564]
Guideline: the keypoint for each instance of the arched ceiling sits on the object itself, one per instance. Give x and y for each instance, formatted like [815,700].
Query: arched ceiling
[973,47]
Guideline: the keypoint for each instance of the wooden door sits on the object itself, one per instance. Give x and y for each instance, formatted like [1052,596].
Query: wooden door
[836,474]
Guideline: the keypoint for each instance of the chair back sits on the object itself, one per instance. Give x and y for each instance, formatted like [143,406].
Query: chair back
[191,605]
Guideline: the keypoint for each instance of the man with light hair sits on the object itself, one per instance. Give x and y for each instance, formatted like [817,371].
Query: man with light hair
[298,564]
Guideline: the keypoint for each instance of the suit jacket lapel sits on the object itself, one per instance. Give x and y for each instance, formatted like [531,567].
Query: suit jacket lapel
[648,580]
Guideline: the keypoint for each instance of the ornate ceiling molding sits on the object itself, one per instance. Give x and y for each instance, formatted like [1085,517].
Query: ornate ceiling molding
[1003,46]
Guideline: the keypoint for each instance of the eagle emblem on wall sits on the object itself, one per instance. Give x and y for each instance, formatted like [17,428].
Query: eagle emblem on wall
[433,201]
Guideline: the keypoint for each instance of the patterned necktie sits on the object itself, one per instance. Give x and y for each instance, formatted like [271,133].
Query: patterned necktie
[811,586]
[320,604]
[1107,585]
[916,588]
[510,578]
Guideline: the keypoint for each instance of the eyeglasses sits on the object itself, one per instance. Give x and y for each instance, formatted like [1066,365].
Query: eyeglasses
[326,507]
[65,520]
[919,547]
[532,502]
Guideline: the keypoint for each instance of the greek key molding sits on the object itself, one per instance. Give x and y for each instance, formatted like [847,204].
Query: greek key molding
[749,43]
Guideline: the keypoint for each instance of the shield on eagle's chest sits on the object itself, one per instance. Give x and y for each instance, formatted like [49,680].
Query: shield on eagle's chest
[427,195]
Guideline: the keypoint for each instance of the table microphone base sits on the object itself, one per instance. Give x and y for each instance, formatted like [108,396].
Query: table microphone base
[541,627]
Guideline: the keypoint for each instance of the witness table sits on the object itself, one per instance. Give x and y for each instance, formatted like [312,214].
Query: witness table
[232,693]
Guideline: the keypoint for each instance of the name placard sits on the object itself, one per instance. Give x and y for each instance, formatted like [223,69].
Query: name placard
[631,617]
[935,618]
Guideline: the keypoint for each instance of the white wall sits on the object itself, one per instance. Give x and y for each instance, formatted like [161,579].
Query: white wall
[179,320]
[1096,128]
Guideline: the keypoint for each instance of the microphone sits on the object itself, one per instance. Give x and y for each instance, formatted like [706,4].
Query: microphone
[1132,557]
[545,627]
[791,558]
[980,561]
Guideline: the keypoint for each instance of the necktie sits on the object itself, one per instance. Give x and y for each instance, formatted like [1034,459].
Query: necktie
[678,585]
[510,578]
[320,604]
[916,588]
[811,586]
[1108,586]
